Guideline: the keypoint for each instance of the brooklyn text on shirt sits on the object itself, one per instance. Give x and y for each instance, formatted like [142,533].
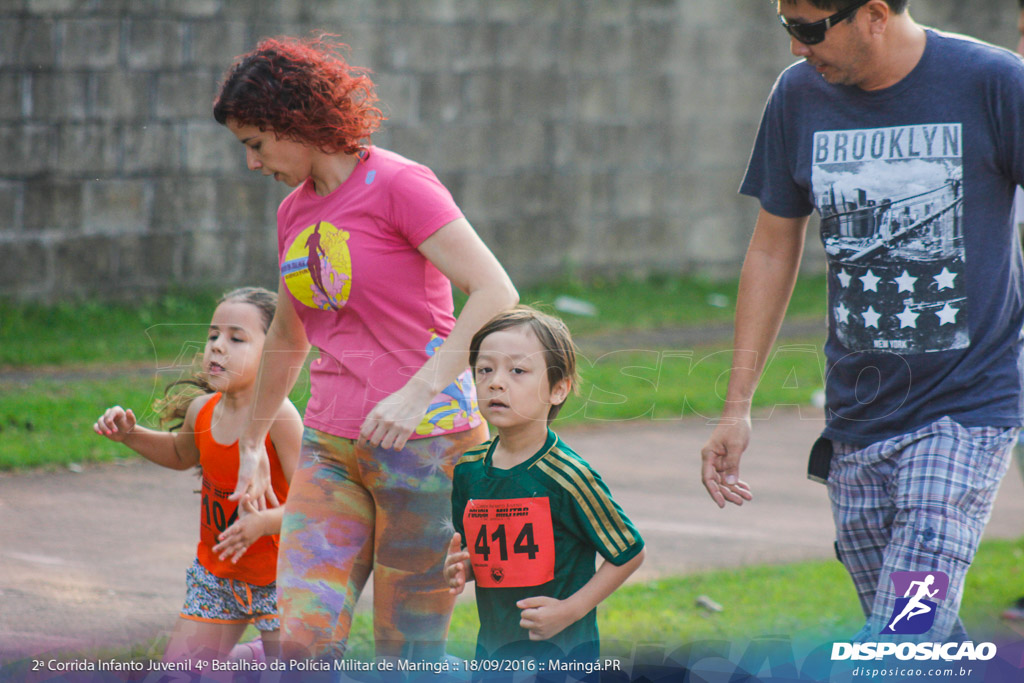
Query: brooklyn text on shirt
[928,141]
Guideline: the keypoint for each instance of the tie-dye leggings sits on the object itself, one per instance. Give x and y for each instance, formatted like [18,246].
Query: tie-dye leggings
[352,510]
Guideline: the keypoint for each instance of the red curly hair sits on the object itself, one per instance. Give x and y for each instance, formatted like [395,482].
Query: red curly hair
[303,90]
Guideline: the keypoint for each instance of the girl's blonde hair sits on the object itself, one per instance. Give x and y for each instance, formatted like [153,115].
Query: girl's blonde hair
[174,404]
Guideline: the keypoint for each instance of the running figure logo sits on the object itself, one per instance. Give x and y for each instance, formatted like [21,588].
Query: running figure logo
[317,267]
[915,611]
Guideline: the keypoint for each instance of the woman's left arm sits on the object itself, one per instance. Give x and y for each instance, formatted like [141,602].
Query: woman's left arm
[458,252]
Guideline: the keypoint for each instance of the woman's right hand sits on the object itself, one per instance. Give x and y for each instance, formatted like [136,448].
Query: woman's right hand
[115,424]
[253,485]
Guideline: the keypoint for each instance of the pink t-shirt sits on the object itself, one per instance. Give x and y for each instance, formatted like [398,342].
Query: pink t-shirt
[372,304]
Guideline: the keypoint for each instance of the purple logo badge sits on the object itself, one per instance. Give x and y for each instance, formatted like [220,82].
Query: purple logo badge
[915,611]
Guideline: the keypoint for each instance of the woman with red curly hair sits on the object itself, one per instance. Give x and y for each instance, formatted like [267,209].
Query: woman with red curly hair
[369,245]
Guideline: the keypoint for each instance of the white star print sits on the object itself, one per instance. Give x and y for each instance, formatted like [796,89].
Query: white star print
[435,461]
[844,278]
[906,282]
[871,317]
[947,315]
[907,318]
[842,313]
[945,279]
[870,282]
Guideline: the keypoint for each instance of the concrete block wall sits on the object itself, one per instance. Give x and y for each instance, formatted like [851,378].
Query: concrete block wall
[591,135]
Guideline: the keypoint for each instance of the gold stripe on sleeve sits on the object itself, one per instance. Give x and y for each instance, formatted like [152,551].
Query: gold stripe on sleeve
[593,487]
[587,498]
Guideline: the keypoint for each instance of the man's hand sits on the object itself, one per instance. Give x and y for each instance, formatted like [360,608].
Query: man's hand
[720,468]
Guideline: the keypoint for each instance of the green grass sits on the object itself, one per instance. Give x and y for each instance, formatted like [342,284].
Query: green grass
[808,603]
[48,421]
[756,601]
[170,329]
[662,301]
[46,417]
[672,384]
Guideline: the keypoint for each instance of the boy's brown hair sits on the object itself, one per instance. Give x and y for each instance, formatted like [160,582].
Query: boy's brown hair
[559,350]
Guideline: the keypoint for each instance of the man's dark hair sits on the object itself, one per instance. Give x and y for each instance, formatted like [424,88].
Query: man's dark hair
[897,6]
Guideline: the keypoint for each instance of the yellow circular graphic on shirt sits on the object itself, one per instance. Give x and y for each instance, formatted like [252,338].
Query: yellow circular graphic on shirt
[317,267]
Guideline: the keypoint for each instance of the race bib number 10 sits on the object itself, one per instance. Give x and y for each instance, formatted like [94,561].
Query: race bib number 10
[510,541]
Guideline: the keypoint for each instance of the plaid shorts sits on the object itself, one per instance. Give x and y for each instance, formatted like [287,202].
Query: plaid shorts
[916,502]
[227,601]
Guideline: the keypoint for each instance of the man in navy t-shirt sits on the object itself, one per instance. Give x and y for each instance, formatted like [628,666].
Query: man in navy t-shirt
[909,143]
[1015,612]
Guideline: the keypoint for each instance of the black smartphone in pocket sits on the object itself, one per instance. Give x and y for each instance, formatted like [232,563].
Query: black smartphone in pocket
[820,460]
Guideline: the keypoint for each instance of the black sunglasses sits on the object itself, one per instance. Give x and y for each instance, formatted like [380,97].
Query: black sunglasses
[814,32]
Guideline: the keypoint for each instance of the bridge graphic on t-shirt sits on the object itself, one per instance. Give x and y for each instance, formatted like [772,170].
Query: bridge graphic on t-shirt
[891,203]
[933,217]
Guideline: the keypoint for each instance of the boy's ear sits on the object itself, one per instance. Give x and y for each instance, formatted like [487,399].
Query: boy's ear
[560,391]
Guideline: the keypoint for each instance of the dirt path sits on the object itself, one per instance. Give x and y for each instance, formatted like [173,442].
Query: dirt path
[97,559]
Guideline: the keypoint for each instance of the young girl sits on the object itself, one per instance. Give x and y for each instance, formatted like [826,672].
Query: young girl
[533,514]
[231,581]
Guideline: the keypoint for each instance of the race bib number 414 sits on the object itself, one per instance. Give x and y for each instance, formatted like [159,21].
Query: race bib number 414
[510,541]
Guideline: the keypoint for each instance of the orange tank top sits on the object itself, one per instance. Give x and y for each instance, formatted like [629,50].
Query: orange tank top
[219,462]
